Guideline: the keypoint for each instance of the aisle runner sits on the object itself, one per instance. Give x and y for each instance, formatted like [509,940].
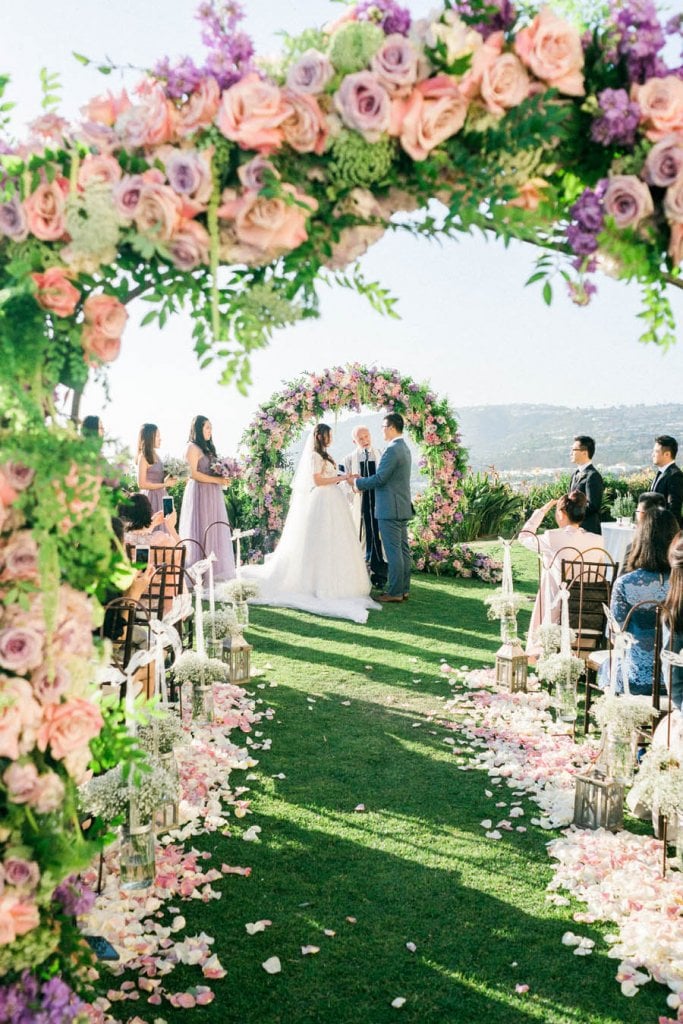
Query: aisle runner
[513,737]
[147,929]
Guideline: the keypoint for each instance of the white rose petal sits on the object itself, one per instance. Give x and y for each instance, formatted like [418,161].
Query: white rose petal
[411,946]
[486,823]
[257,926]
[251,835]
[309,950]
[494,835]
[272,965]
[398,1002]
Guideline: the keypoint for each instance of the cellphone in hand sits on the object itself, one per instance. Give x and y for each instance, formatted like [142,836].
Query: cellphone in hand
[142,557]
[342,468]
[101,947]
[167,505]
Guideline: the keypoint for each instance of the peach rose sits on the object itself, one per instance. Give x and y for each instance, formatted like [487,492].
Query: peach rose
[48,794]
[106,109]
[676,244]
[251,114]
[55,292]
[270,225]
[105,314]
[101,168]
[530,195]
[661,106]
[20,717]
[628,200]
[68,727]
[158,211]
[434,112]
[19,557]
[16,918]
[44,210]
[353,241]
[305,129]
[504,84]
[673,201]
[190,245]
[483,58]
[200,109]
[551,48]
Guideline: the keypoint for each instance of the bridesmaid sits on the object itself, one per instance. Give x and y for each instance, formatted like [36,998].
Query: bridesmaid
[150,467]
[204,504]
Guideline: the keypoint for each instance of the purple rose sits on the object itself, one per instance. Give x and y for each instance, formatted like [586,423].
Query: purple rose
[364,105]
[396,64]
[310,73]
[18,475]
[627,200]
[100,136]
[13,220]
[21,780]
[254,174]
[21,649]
[664,162]
[127,194]
[20,557]
[22,874]
[188,174]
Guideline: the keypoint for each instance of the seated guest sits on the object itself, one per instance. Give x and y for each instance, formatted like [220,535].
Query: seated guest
[115,618]
[568,542]
[669,478]
[144,528]
[646,579]
[648,499]
[673,620]
[588,480]
[92,426]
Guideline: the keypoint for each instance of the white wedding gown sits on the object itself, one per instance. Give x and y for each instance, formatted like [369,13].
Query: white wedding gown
[318,565]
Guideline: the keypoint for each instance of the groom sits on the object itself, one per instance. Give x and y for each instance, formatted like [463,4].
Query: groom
[393,508]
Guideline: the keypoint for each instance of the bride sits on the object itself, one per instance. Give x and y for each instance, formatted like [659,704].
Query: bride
[318,565]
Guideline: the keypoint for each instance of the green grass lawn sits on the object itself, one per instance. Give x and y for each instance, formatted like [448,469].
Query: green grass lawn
[414,867]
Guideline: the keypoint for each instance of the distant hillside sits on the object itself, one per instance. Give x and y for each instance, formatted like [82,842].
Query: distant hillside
[526,437]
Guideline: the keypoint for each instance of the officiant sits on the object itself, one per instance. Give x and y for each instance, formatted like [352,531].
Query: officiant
[363,461]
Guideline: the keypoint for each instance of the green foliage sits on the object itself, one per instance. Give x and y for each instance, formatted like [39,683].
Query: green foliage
[51,87]
[489,507]
[353,45]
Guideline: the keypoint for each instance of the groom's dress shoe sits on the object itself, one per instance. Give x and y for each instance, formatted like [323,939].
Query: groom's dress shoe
[386,598]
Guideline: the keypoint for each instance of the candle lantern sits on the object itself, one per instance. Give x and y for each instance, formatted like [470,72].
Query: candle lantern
[237,655]
[599,802]
[511,667]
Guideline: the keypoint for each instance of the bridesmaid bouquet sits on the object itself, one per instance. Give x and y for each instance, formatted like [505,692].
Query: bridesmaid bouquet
[227,468]
[173,467]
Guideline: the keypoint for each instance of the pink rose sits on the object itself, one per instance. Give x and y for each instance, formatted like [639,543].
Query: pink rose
[310,73]
[530,194]
[18,475]
[50,686]
[200,109]
[673,201]
[661,106]
[22,874]
[434,112]
[44,210]
[158,212]
[103,169]
[551,49]
[271,225]
[664,162]
[126,194]
[396,65]
[68,728]
[55,292]
[21,781]
[16,918]
[305,128]
[627,200]
[189,247]
[21,649]
[353,241]
[105,314]
[73,633]
[251,113]
[49,793]
[505,84]
[106,109]
[160,114]
[19,558]
[49,130]
[676,244]
[364,105]
[20,717]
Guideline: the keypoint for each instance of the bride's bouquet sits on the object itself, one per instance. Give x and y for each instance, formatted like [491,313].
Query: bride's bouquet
[226,467]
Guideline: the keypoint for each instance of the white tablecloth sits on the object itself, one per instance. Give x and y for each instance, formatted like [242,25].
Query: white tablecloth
[617,539]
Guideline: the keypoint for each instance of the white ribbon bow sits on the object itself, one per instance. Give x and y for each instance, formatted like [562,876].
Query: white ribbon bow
[622,641]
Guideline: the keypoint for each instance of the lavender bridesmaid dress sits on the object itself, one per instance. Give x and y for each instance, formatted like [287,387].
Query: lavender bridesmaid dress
[155,475]
[204,504]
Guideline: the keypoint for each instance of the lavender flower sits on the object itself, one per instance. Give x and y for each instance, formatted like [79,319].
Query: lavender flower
[501,21]
[639,38]
[587,221]
[74,896]
[618,121]
[13,220]
[27,1000]
[181,79]
[387,13]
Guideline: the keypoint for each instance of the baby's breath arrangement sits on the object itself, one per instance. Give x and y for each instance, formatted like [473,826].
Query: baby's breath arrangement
[191,667]
[221,623]
[109,796]
[236,590]
[659,782]
[622,714]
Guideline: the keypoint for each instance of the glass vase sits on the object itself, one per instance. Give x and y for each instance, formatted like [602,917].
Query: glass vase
[202,703]
[214,648]
[679,843]
[241,609]
[168,815]
[619,755]
[508,629]
[136,851]
[565,699]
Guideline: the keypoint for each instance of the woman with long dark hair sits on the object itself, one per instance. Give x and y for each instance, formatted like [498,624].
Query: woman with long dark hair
[152,479]
[673,617]
[318,565]
[646,579]
[204,503]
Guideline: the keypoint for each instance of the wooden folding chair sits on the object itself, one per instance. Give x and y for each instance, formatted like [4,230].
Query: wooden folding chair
[121,616]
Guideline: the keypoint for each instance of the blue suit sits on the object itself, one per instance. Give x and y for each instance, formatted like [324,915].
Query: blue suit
[393,509]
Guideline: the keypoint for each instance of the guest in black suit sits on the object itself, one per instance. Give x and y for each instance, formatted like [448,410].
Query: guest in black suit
[587,480]
[669,478]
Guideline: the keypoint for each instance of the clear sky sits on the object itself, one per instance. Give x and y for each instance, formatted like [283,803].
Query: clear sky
[467,322]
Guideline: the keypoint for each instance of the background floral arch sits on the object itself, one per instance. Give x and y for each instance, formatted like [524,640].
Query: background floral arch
[431,423]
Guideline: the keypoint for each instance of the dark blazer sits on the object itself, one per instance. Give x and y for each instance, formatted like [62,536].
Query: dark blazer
[670,484]
[391,482]
[587,480]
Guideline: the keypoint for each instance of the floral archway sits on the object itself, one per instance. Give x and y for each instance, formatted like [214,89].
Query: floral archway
[431,424]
